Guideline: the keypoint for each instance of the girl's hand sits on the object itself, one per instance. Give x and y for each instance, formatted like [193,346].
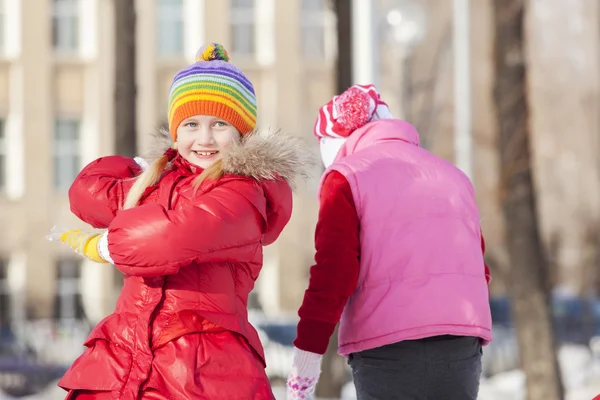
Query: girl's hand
[92,246]
[303,379]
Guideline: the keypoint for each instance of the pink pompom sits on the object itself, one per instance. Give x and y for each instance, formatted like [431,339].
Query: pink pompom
[353,108]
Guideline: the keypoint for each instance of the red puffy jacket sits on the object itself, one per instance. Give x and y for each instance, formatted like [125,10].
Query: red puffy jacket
[189,261]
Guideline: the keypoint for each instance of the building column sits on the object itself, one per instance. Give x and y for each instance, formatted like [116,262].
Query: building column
[268,285]
[218,28]
[96,286]
[17,283]
[31,76]
[289,92]
[15,178]
[194,34]
[91,119]
[147,77]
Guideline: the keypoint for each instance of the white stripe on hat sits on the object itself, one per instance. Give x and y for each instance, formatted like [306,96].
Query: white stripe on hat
[328,118]
[327,124]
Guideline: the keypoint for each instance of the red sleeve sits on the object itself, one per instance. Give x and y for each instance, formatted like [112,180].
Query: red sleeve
[223,224]
[98,191]
[334,277]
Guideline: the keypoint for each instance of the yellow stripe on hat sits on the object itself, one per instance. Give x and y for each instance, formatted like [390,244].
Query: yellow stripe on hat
[249,108]
[250,120]
[214,86]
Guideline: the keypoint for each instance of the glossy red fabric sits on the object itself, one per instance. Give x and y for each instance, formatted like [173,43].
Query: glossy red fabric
[195,366]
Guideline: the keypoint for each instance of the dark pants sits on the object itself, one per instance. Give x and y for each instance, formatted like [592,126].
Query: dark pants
[436,368]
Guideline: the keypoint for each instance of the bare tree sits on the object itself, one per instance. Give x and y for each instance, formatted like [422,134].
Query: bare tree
[421,98]
[125,87]
[528,275]
[343,70]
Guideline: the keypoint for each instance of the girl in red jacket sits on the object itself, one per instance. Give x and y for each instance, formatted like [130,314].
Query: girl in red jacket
[187,233]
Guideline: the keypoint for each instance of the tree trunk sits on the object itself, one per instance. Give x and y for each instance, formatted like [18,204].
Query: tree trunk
[334,374]
[528,276]
[125,87]
[343,70]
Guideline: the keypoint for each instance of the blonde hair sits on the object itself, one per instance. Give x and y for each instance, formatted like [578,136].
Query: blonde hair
[154,172]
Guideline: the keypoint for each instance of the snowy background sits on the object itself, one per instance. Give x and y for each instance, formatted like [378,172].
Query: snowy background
[580,366]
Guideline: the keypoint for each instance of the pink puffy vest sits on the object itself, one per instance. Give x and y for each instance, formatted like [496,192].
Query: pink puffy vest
[421,264]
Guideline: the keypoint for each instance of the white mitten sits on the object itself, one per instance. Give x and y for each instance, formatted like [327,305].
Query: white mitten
[303,379]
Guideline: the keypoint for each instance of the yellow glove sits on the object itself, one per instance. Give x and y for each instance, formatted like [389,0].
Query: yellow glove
[83,243]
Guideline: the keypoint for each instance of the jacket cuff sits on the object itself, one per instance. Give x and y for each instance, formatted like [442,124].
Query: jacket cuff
[313,336]
[103,247]
[306,364]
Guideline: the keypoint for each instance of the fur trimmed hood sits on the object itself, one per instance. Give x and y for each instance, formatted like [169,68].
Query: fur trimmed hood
[264,154]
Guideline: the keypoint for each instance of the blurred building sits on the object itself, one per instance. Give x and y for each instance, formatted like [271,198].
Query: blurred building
[56,113]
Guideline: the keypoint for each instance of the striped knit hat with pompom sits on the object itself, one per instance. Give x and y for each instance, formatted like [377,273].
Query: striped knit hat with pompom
[212,86]
[352,109]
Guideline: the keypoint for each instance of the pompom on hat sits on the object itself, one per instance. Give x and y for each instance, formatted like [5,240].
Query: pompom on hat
[212,86]
[352,109]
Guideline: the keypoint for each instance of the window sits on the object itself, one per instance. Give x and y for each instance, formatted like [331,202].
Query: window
[67,300]
[2,156]
[5,299]
[243,40]
[313,19]
[170,27]
[2,25]
[66,153]
[65,25]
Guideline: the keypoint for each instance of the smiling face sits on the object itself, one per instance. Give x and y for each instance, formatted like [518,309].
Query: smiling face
[201,138]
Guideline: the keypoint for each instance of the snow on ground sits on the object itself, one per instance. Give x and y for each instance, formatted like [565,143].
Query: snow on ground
[581,375]
[580,372]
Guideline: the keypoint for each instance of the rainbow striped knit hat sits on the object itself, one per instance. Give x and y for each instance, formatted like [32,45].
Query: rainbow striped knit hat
[212,86]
